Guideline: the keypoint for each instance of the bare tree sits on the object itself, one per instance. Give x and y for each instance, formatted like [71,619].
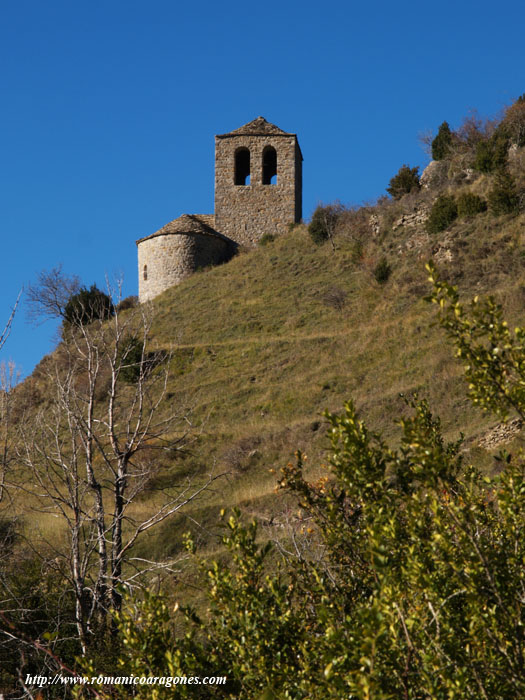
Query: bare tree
[324,223]
[4,334]
[48,297]
[93,448]
[514,122]
[425,139]
[8,380]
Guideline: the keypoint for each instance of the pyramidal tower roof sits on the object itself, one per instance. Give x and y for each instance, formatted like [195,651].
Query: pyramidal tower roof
[257,127]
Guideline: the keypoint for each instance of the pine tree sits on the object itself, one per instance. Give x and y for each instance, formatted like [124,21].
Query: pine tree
[442,143]
[406,180]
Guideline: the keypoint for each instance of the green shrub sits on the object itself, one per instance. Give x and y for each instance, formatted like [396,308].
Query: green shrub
[88,305]
[470,204]
[491,153]
[444,211]
[127,303]
[503,198]
[357,252]
[323,223]
[382,271]
[406,181]
[266,238]
[442,143]
[483,159]
[131,360]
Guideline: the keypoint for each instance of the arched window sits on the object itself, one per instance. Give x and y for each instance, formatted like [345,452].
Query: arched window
[269,163]
[145,274]
[242,166]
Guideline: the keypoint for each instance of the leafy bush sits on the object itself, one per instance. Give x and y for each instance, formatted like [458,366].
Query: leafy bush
[470,204]
[88,305]
[31,595]
[324,221]
[266,238]
[127,303]
[444,211]
[406,181]
[382,271]
[503,198]
[357,252]
[491,153]
[442,143]
[131,359]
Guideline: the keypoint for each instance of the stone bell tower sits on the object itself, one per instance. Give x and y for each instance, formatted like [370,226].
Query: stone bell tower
[258,181]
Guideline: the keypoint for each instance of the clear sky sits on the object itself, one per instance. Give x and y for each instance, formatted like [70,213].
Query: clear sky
[109,109]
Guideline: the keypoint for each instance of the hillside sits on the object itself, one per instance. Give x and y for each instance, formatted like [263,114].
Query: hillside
[264,344]
[259,348]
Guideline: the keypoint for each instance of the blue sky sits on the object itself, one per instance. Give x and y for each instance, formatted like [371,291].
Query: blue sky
[109,110]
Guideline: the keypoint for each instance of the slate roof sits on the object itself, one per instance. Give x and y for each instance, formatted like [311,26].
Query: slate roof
[188,223]
[257,127]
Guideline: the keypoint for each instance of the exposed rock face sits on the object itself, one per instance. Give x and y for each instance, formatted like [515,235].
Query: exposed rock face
[442,253]
[415,219]
[501,434]
[375,224]
[433,174]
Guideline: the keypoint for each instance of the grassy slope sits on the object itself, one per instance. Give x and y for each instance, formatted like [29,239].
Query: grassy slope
[260,352]
[261,348]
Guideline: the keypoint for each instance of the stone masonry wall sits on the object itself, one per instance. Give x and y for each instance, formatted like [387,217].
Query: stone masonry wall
[245,212]
[171,257]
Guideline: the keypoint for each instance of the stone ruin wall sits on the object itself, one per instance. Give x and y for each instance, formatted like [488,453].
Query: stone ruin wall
[245,212]
[171,257]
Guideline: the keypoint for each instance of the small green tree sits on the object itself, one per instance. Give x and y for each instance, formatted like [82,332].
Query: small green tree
[491,153]
[405,181]
[469,204]
[441,145]
[88,305]
[127,303]
[132,360]
[322,227]
[444,211]
[382,271]
[503,197]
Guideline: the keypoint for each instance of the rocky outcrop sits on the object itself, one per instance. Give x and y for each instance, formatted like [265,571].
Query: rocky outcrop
[415,219]
[434,174]
[501,434]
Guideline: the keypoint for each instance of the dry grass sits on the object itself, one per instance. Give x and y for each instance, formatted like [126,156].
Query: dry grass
[264,344]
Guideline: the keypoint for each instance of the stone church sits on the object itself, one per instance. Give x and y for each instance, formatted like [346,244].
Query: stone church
[258,190]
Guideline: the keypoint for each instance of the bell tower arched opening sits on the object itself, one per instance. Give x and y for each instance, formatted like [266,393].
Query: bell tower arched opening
[269,166]
[242,166]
